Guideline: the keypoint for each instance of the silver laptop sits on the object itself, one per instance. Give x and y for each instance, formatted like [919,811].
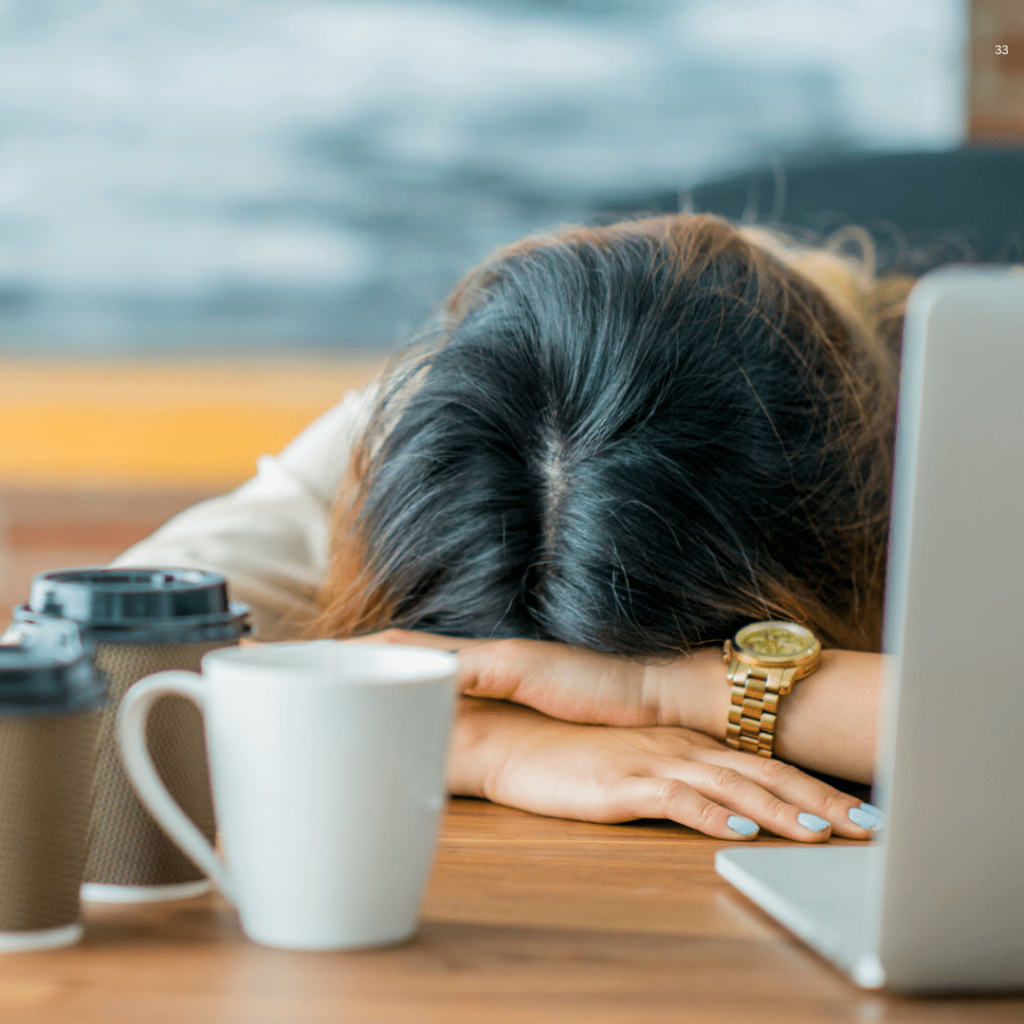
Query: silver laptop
[938,902]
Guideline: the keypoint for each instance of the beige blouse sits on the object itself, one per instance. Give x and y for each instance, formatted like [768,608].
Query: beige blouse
[270,537]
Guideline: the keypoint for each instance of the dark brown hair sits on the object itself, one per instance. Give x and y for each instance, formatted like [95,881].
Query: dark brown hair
[633,438]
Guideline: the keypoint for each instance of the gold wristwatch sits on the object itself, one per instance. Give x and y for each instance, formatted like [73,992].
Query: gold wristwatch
[765,659]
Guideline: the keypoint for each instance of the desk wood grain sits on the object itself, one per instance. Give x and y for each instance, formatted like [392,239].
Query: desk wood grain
[526,919]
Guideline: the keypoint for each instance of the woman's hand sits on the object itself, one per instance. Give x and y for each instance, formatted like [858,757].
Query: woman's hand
[515,756]
[576,684]
[826,724]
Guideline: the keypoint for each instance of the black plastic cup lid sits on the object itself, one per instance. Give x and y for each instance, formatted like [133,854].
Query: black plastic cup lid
[44,669]
[158,601]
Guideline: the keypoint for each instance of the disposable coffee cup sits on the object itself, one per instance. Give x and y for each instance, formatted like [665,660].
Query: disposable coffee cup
[328,764]
[139,621]
[50,703]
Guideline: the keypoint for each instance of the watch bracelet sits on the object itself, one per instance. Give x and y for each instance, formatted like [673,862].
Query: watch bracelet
[753,711]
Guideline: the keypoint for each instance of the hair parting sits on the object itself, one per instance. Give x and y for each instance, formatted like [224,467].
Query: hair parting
[634,438]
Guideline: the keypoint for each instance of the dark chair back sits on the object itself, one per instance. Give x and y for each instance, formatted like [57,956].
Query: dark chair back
[923,209]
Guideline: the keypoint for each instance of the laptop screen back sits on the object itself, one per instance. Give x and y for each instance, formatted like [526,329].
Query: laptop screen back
[952,900]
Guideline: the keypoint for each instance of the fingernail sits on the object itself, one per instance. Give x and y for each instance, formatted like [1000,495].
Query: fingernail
[744,826]
[867,816]
[812,822]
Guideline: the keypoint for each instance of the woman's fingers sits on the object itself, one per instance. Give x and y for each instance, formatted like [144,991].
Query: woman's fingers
[496,669]
[570,683]
[794,790]
[646,796]
[773,795]
[770,811]
[720,802]
[413,638]
[565,682]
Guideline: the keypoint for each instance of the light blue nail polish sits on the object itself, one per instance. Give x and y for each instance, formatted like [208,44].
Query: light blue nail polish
[872,809]
[864,818]
[812,822]
[744,826]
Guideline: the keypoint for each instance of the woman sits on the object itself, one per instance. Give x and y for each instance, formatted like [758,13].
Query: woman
[613,448]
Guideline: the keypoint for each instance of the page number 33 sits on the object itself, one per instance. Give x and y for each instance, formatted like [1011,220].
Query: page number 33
[1002,48]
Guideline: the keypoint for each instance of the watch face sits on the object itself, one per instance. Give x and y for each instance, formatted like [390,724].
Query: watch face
[775,639]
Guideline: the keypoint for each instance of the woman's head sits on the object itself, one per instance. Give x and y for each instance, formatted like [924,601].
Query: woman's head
[633,438]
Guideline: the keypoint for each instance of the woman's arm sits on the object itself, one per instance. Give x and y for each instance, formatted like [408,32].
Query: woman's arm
[826,724]
[513,755]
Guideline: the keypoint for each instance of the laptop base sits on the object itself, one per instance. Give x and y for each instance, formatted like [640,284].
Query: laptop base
[820,893]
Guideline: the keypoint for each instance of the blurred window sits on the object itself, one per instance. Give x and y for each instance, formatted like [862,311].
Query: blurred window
[296,175]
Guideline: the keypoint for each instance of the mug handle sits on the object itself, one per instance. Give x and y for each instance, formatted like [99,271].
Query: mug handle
[131,734]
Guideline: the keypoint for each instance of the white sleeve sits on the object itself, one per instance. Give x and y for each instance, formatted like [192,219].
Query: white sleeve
[271,536]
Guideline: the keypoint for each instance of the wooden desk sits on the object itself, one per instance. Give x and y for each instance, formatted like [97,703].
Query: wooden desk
[527,920]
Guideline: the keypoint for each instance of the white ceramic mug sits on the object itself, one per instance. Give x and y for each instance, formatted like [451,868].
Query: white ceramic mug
[327,761]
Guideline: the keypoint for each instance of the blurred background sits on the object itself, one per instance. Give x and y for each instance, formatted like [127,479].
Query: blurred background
[259,176]
[217,216]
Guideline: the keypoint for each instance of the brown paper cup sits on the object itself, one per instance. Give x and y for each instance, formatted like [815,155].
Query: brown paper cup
[130,857]
[46,771]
